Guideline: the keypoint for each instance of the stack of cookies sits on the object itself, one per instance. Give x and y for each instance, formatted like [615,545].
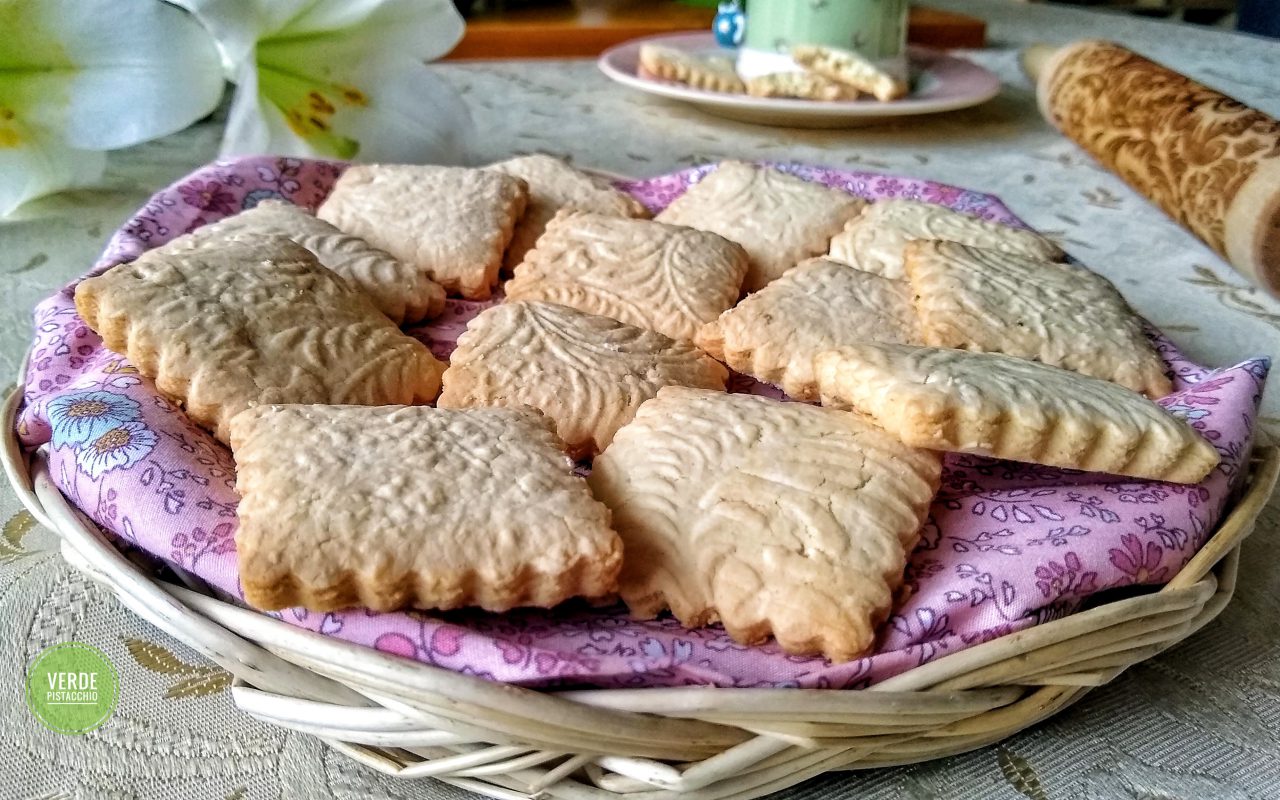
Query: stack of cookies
[822,73]
[910,329]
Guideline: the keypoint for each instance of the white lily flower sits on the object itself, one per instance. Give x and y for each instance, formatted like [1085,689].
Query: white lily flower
[339,78]
[81,76]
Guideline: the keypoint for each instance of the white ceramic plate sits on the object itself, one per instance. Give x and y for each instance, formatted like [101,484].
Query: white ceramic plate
[940,82]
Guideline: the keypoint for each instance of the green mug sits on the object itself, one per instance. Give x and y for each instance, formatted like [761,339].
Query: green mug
[877,29]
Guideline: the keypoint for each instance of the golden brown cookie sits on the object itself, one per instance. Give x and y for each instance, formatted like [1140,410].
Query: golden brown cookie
[850,68]
[224,329]
[451,224]
[712,74]
[997,405]
[818,305]
[413,506]
[780,219]
[401,292]
[774,518]
[666,278]
[554,185]
[876,239]
[1059,314]
[587,373]
[801,85]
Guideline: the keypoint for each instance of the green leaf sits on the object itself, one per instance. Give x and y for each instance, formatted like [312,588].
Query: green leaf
[157,658]
[202,685]
[1020,775]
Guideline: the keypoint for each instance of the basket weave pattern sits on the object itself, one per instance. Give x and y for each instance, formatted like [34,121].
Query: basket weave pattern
[414,720]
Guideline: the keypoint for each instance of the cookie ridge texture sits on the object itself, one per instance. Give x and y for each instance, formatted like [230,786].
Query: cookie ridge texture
[227,328]
[1006,407]
[1063,315]
[587,373]
[667,278]
[709,74]
[413,506]
[801,85]
[399,291]
[452,224]
[850,68]
[876,238]
[553,185]
[778,218]
[774,518]
[820,304]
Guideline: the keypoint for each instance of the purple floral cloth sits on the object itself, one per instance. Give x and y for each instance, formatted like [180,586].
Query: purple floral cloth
[1007,545]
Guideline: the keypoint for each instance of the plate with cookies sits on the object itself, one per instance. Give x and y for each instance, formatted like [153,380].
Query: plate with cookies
[818,87]
[536,435]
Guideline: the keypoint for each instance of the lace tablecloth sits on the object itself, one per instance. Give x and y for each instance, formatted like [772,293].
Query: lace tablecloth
[1199,721]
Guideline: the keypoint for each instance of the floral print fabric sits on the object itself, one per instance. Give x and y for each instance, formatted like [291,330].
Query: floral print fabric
[1007,545]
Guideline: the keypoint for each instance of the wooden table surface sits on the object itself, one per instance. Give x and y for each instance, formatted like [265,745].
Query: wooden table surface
[561,32]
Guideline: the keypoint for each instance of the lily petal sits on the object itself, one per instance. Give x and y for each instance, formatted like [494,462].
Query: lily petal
[257,122]
[238,25]
[424,29]
[37,163]
[339,78]
[413,117]
[248,130]
[107,73]
[345,94]
[91,75]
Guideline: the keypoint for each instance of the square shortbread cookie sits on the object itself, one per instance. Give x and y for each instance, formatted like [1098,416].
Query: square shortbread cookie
[554,185]
[401,292]
[226,328]
[450,223]
[587,373]
[1059,314]
[804,85]
[666,278]
[774,518]
[780,219]
[996,405]
[818,305]
[712,74]
[413,506]
[850,68]
[876,239]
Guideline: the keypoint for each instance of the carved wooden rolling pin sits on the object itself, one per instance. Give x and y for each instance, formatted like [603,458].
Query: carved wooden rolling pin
[1209,161]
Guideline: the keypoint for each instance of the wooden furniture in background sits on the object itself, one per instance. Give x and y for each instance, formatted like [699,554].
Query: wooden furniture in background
[560,32]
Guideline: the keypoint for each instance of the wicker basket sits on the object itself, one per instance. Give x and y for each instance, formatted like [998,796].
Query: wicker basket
[413,720]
